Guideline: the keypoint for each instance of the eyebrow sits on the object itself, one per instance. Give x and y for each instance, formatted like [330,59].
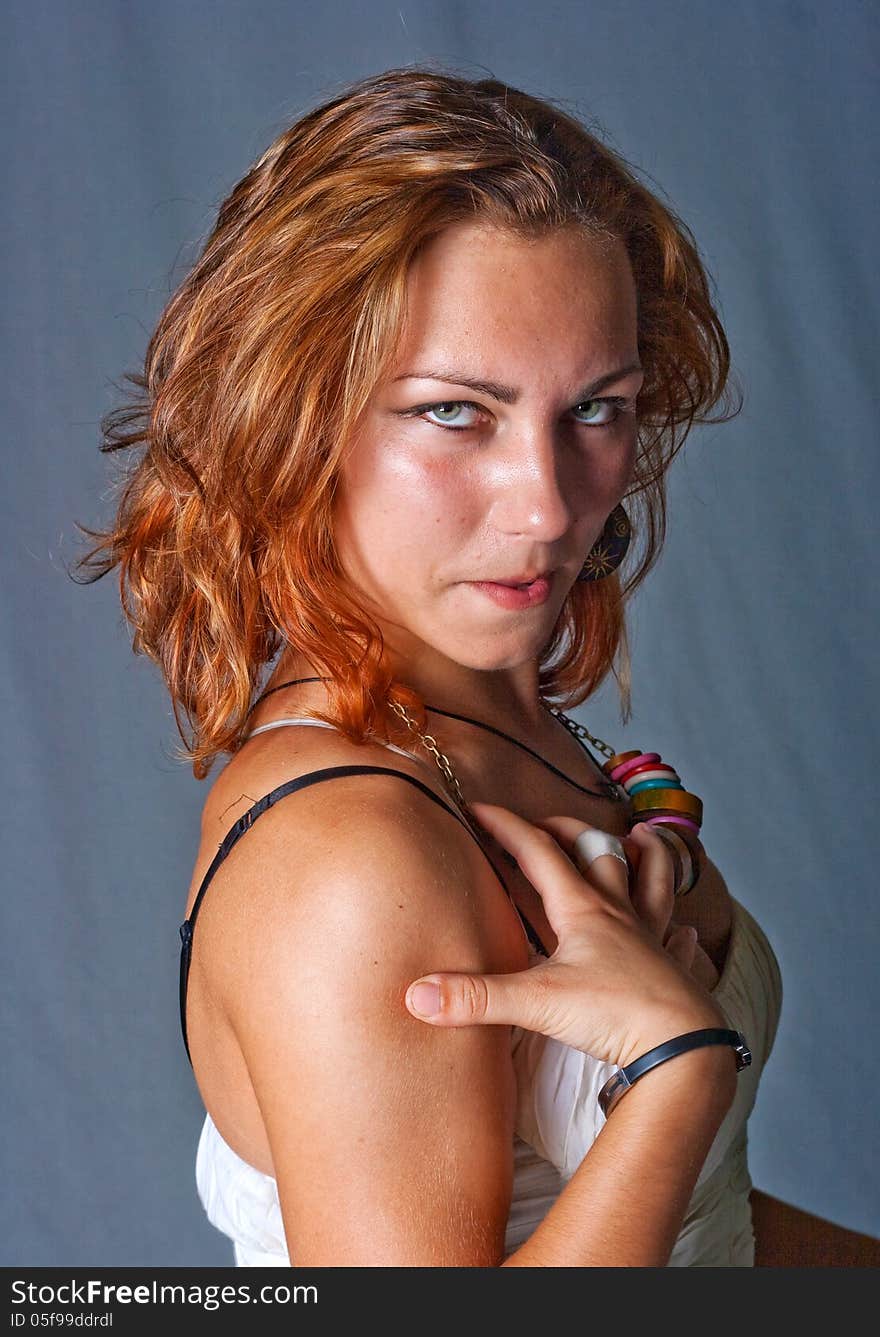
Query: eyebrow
[508,394]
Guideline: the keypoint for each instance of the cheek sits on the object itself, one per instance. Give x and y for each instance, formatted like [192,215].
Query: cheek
[389,499]
[613,470]
[597,485]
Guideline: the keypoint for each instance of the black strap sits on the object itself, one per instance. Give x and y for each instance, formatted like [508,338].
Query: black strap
[291,682]
[246,821]
[623,1078]
[681,1044]
[607,790]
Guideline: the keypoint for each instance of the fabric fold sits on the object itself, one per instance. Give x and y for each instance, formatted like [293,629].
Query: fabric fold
[558,1087]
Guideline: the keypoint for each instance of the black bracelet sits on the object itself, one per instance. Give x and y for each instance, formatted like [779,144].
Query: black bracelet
[621,1080]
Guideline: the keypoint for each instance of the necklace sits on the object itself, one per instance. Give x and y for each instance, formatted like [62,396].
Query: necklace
[654,788]
[608,789]
[605,790]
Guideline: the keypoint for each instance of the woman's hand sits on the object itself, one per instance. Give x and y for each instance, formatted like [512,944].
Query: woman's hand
[619,981]
[654,901]
[651,891]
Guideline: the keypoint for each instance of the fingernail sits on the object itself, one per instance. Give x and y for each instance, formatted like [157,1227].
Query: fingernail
[424,999]
[692,933]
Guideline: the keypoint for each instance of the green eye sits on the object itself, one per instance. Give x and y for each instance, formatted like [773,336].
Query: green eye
[451,409]
[615,404]
[454,404]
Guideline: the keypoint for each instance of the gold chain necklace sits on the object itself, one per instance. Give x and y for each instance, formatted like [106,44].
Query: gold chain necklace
[430,742]
[447,771]
[450,779]
[581,731]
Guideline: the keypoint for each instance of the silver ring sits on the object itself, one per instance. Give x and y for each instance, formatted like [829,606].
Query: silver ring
[590,845]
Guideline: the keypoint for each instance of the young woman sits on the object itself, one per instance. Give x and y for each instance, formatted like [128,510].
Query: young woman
[401,422]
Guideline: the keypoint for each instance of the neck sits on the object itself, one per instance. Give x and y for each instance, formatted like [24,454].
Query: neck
[507,698]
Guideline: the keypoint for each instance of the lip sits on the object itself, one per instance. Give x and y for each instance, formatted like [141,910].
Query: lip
[525,579]
[508,596]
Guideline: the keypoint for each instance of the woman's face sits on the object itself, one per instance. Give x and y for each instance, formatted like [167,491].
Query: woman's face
[450,484]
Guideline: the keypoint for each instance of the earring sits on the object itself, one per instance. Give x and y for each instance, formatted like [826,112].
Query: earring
[610,547]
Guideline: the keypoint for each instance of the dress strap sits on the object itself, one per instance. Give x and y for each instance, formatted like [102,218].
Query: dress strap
[246,821]
[325,724]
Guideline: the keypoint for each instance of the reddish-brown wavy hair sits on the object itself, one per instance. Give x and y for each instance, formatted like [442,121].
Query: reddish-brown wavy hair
[267,354]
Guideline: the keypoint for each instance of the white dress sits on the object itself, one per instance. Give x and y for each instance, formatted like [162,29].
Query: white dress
[557,1119]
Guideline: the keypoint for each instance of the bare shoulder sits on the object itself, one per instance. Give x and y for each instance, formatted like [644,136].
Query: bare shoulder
[370,849]
[272,758]
[391,1140]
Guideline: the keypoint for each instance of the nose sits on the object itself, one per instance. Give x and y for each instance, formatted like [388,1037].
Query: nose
[530,496]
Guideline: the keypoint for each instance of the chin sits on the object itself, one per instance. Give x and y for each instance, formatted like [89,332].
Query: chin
[493,657]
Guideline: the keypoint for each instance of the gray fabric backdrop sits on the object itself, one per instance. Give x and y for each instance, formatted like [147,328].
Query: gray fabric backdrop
[755,641]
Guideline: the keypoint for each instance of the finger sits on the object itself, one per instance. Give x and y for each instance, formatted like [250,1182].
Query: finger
[605,871]
[653,887]
[544,862]
[474,1000]
[681,944]
[704,969]
[538,853]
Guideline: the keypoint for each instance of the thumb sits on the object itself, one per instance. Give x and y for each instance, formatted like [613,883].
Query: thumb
[468,1000]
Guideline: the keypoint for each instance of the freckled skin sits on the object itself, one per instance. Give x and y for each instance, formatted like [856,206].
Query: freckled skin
[421,509]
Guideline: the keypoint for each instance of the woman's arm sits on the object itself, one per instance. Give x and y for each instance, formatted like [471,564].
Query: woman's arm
[392,1142]
[625,1203]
